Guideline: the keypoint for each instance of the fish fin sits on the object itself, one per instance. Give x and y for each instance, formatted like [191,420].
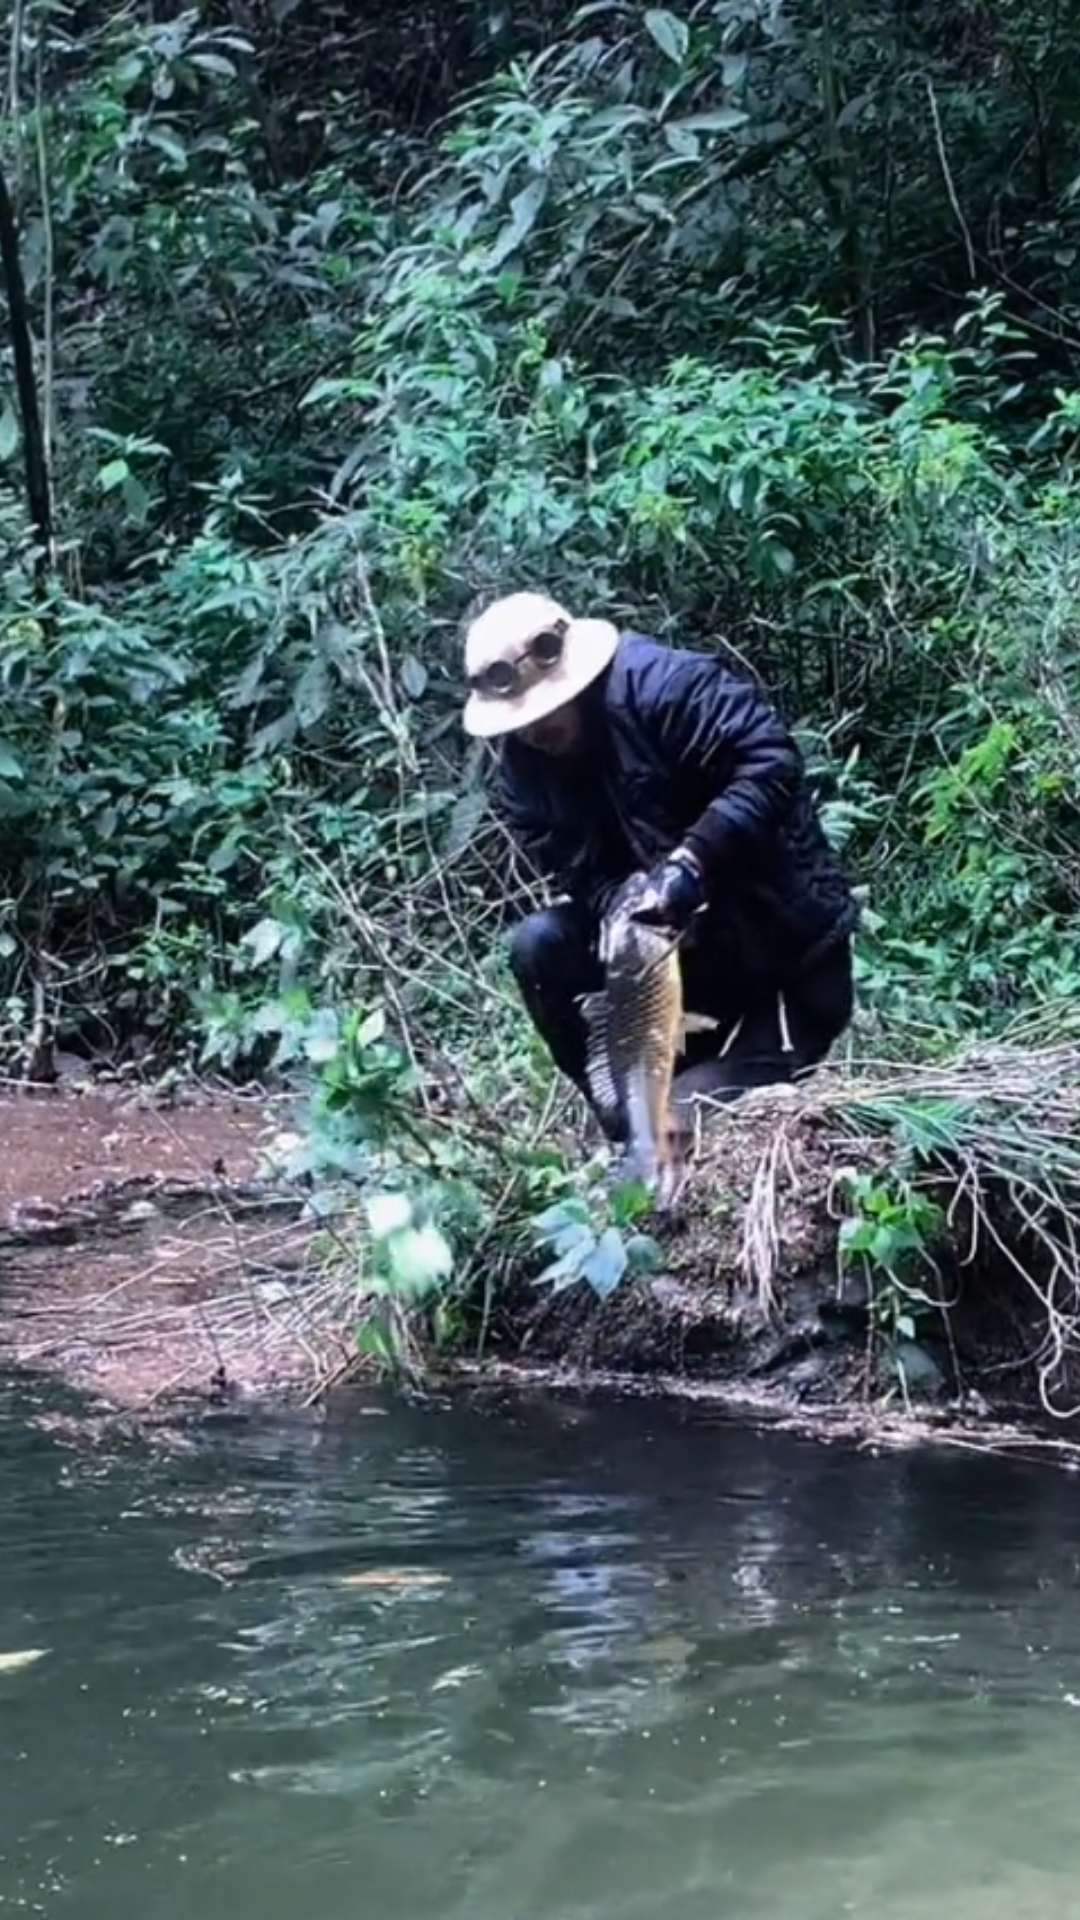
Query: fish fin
[598,1073]
[699,1023]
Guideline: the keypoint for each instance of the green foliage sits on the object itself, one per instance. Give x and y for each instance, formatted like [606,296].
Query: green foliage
[890,1234]
[596,1242]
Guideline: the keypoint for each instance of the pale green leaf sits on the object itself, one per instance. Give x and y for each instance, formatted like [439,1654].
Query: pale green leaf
[168,143]
[720,120]
[671,34]
[642,1253]
[524,210]
[419,1258]
[414,676]
[9,430]
[372,1028]
[264,940]
[321,1036]
[214,63]
[606,1264]
[555,1218]
[468,811]
[567,1270]
[388,1213]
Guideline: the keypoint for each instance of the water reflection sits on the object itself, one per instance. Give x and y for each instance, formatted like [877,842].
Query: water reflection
[651,1665]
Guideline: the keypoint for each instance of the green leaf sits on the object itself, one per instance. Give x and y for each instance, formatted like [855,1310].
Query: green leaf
[112,475]
[264,938]
[11,767]
[414,676]
[720,120]
[419,1258]
[566,1271]
[169,144]
[643,1253]
[630,1200]
[524,209]
[607,1263]
[375,1337]
[563,1214]
[9,430]
[671,34]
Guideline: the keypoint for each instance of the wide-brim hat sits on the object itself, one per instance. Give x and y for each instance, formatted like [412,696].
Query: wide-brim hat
[569,655]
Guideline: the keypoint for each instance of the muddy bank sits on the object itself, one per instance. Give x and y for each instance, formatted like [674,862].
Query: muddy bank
[146,1260]
[753,1306]
[143,1258]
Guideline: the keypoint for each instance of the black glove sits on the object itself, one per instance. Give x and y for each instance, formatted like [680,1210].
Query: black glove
[676,893]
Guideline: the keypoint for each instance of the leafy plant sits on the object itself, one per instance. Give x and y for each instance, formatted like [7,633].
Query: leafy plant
[596,1242]
[890,1236]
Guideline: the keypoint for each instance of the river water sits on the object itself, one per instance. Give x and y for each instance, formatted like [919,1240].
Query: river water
[542,1660]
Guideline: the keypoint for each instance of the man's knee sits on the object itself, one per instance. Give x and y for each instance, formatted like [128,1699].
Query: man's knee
[544,945]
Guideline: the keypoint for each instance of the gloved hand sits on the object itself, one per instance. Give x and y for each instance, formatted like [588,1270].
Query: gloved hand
[676,893]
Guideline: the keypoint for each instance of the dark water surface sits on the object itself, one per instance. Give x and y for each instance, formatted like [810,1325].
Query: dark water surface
[672,1670]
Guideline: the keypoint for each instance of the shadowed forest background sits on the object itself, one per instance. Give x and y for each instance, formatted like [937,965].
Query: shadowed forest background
[752,323]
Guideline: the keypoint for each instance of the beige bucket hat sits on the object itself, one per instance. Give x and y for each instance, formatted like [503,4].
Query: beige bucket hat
[525,656]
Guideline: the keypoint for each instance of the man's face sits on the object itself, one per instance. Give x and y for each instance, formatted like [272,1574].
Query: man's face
[558,734]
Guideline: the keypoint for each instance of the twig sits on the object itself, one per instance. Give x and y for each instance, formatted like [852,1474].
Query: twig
[950,186]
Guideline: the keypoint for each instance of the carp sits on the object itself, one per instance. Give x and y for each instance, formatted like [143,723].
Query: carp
[635,1026]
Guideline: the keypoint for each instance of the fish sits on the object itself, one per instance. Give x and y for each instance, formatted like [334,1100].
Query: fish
[636,1026]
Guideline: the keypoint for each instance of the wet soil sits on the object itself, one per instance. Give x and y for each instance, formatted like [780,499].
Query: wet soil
[147,1259]
[55,1145]
[144,1258]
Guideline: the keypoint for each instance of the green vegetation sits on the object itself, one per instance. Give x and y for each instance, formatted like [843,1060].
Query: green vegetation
[752,325]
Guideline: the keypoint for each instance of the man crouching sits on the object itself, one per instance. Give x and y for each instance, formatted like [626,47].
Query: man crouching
[619,753]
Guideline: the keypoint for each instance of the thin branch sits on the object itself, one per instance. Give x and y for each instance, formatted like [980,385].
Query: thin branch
[38,490]
[950,185]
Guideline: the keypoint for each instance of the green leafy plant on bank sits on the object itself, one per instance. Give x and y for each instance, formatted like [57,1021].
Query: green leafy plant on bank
[422,1215]
[596,1238]
[889,1237]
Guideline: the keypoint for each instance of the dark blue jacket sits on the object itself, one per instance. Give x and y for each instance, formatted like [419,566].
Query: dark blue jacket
[682,750]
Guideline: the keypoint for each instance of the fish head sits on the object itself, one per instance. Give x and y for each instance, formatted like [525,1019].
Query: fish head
[626,943]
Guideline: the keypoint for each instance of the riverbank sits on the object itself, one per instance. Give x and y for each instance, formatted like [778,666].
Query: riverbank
[144,1258]
[150,1262]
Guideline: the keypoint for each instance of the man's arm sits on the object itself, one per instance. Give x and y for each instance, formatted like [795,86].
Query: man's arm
[726,737]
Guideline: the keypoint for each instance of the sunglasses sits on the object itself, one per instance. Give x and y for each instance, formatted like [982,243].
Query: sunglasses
[503,678]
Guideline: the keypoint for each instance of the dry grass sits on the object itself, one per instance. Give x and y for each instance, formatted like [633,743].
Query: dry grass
[995,1130]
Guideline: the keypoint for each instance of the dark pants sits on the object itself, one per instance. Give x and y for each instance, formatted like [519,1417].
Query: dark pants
[554,961]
